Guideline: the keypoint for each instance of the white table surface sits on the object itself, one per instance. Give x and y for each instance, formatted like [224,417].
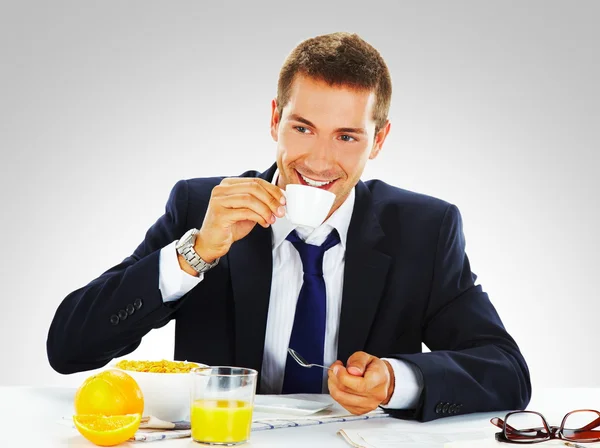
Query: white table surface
[30,417]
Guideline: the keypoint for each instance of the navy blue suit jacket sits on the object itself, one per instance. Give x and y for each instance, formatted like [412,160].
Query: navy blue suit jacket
[407,280]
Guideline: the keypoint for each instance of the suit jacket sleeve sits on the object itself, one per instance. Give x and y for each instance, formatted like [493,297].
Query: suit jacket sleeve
[474,364]
[87,332]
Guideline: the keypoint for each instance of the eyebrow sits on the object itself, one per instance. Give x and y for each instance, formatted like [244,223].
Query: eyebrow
[297,117]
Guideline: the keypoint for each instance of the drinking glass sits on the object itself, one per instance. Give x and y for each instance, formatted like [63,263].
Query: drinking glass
[222,400]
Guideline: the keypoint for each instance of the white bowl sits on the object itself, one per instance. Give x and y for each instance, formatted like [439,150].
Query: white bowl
[166,395]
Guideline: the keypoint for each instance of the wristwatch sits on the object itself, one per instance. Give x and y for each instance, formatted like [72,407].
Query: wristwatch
[185,247]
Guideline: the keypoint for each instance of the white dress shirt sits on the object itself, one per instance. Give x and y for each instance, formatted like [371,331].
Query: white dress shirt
[285,289]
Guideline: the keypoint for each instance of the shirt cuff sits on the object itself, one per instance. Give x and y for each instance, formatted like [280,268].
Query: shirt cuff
[408,385]
[173,281]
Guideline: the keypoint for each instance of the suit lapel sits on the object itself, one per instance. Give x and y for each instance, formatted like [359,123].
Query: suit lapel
[251,267]
[365,272]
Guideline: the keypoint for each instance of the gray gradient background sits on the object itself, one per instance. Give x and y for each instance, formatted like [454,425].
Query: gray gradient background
[105,105]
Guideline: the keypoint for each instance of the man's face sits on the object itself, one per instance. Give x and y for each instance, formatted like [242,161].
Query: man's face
[325,135]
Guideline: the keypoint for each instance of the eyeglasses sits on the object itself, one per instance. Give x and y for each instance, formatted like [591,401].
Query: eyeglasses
[531,427]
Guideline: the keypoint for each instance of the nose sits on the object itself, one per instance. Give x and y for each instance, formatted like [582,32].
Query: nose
[321,157]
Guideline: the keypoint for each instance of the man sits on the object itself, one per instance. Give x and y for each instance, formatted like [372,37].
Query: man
[391,271]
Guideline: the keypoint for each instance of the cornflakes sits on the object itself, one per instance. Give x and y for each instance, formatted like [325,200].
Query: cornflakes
[163,366]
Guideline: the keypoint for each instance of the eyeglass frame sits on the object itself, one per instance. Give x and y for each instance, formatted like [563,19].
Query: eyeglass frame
[552,432]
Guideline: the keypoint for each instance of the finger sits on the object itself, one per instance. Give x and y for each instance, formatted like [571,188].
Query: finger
[377,372]
[356,404]
[245,214]
[272,189]
[374,377]
[257,190]
[334,369]
[246,201]
[374,390]
[337,363]
[333,377]
[351,383]
[357,363]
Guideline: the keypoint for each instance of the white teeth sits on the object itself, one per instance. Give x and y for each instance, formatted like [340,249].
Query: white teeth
[314,183]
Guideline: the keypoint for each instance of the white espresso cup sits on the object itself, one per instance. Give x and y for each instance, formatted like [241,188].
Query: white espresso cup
[307,206]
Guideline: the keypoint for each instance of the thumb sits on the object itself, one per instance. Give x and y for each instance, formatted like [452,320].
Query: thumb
[357,363]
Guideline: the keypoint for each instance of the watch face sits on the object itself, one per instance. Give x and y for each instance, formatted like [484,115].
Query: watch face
[186,238]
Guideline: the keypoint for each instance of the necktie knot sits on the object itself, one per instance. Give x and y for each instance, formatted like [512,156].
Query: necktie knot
[311,255]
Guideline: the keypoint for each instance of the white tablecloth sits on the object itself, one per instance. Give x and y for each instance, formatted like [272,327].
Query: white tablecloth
[29,417]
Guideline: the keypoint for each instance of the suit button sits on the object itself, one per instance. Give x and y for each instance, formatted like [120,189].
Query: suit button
[452,409]
[130,309]
[445,408]
[114,319]
[123,314]
[137,303]
[438,408]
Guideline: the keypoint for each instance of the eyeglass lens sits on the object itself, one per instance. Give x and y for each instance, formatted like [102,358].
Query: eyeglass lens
[582,426]
[526,427]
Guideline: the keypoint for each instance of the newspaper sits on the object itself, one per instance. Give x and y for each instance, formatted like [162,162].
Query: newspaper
[153,429]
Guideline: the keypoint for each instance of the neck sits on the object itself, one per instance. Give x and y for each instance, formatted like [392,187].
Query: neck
[337,204]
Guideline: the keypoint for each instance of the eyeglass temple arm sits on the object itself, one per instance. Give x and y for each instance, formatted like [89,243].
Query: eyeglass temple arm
[518,432]
[500,424]
[592,425]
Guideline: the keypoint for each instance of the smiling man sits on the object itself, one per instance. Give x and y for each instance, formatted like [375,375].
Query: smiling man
[388,269]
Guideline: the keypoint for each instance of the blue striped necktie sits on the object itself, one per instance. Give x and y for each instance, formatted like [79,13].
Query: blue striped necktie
[308,332]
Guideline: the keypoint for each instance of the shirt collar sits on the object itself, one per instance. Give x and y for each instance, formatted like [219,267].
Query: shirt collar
[339,220]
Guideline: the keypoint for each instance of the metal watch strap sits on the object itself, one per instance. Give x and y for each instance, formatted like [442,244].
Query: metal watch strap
[186,250]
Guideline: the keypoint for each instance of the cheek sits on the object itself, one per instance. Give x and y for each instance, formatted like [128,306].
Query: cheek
[292,146]
[353,163]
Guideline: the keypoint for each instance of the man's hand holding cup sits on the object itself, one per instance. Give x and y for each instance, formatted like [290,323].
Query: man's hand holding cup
[236,205]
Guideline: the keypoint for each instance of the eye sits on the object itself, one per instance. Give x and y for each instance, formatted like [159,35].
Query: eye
[302,129]
[347,138]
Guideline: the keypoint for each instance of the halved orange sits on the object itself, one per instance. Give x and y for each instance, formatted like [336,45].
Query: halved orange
[105,430]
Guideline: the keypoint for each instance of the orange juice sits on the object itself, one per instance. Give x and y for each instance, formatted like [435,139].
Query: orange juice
[221,421]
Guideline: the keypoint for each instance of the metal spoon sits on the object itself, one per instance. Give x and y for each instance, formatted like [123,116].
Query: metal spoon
[303,362]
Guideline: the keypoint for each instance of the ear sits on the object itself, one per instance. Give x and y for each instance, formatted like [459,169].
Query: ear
[274,120]
[379,139]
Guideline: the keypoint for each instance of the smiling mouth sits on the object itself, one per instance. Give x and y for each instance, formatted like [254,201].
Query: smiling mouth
[324,185]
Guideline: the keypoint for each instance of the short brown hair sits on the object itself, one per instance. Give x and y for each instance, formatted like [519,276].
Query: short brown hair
[339,59]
